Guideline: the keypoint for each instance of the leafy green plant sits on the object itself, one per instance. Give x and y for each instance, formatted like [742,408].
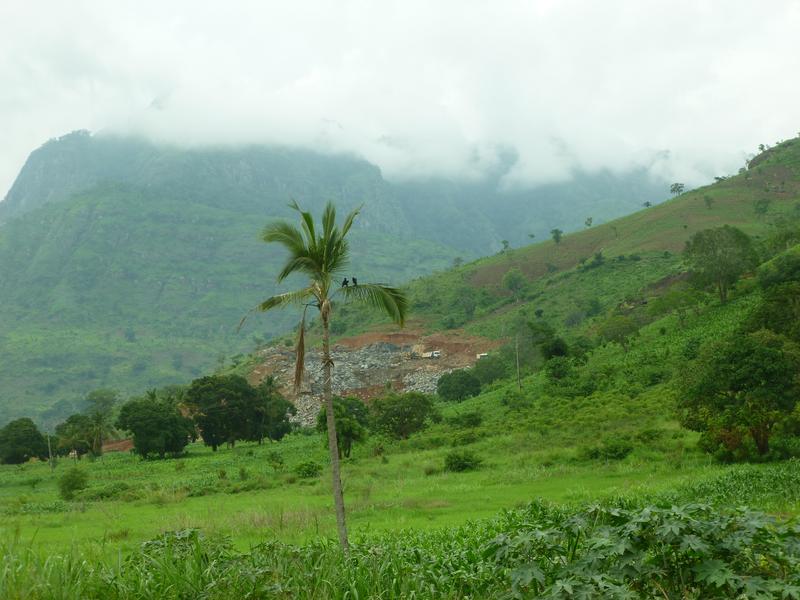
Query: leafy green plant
[308,469]
[72,481]
[461,460]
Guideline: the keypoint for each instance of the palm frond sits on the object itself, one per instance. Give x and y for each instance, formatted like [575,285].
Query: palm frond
[307,222]
[392,301]
[328,220]
[348,221]
[286,234]
[338,257]
[300,353]
[296,297]
[304,264]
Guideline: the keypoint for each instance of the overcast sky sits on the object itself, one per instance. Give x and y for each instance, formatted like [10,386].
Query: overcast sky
[687,88]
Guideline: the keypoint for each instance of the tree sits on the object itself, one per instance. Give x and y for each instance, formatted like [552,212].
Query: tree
[779,310]
[352,419]
[223,408]
[619,329]
[514,281]
[100,409]
[457,262]
[506,245]
[158,427]
[75,433]
[761,206]
[719,257]
[458,385]
[647,204]
[400,415]
[554,347]
[556,234]
[270,415]
[20,441]
[588,222]
[490,368]
[676,189]
[322,255]
[741,386]
[784,268]
[532,235]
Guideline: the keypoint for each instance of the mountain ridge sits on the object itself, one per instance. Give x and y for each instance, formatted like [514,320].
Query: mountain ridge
[127,264]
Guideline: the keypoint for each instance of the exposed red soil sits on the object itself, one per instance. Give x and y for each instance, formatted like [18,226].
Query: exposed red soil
[118,446]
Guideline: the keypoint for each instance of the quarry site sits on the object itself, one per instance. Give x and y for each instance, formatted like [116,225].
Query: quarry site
[366,365]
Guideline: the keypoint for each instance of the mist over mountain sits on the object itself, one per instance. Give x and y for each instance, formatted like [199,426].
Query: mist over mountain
[128,264]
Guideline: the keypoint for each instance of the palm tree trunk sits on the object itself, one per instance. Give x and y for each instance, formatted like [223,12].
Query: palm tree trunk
[338,498]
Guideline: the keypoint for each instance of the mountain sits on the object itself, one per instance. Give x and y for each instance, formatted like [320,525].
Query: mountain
[127,264]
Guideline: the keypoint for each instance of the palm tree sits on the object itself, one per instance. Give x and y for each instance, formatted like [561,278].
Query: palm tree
[322,255]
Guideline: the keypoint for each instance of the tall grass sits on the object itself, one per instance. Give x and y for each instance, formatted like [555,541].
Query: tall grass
[693,551]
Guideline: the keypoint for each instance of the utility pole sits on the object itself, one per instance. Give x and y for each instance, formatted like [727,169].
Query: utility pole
[516,344]
[50,453]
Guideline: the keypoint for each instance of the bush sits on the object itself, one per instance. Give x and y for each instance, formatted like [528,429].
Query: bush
[275,460]
[466,437]
[515,400]
[308,469]
[73,480]
[458,461]
[109,491]
[467,419]
[610,449]
[558,368]
[458,385]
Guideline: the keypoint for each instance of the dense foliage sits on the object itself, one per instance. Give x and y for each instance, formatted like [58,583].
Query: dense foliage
[400,415]
[352,421]
[157,426]
[226,408]
[720,256]
[20,441]
[458,385]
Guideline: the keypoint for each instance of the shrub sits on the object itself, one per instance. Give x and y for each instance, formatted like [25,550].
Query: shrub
[465,438]
[515,400]
[468,419]
[558,368]
[308,469]
[275,460]
[461,460]
[73,480]
[109,491]
[615,448]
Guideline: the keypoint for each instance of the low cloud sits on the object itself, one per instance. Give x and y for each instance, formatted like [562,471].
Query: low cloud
[686,89]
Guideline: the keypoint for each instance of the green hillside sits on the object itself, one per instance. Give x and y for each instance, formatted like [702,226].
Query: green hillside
[574,478]
[129,265]
[636,253]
